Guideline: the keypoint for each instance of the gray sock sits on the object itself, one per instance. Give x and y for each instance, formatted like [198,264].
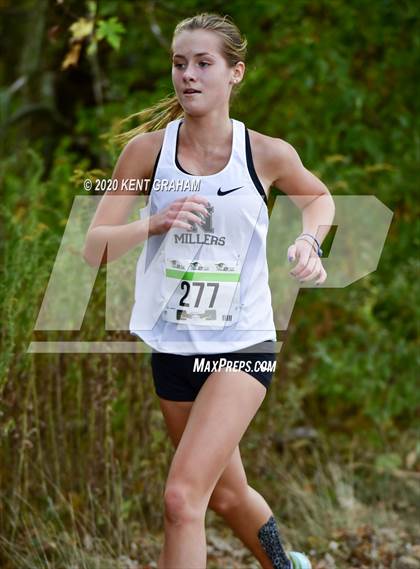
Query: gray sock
[269,537]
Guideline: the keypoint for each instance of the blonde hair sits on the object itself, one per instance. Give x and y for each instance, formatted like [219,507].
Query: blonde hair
[233,47]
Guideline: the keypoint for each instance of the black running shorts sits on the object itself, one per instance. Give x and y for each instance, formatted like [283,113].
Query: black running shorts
[180,378]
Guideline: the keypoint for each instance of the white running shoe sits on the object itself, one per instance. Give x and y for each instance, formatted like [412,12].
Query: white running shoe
[298,560]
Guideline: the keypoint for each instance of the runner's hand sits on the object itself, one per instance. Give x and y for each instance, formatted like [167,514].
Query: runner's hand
[309,264]
[179,214]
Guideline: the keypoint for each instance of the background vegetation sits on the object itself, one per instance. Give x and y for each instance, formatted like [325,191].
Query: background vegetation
[334,448]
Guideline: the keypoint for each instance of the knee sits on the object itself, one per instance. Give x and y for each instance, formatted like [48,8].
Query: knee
[178,505]
[224,500]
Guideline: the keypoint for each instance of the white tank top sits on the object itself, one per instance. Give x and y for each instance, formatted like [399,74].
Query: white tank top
[206,291]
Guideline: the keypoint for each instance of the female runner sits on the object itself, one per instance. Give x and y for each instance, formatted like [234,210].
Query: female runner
[202,298]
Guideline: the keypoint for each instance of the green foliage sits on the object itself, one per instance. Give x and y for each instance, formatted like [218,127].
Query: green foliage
[111,30]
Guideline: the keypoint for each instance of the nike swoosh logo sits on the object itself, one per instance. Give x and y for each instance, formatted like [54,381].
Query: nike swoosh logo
[220,193]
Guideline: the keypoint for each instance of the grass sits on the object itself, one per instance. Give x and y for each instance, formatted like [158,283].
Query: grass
[324,514]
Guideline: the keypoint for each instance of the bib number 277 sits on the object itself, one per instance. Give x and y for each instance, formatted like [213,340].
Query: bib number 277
[185,285]
[207,292]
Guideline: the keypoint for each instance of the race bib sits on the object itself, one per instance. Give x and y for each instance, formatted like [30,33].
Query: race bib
[203,293]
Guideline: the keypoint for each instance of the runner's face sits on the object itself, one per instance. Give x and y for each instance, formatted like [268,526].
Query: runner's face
[197,63]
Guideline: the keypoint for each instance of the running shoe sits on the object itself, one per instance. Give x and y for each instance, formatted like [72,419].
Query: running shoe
[298,560]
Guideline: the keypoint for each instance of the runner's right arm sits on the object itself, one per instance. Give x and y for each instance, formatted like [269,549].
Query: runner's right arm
[109,235]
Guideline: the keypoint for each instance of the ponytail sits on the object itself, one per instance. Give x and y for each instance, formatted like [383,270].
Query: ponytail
[153,118]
